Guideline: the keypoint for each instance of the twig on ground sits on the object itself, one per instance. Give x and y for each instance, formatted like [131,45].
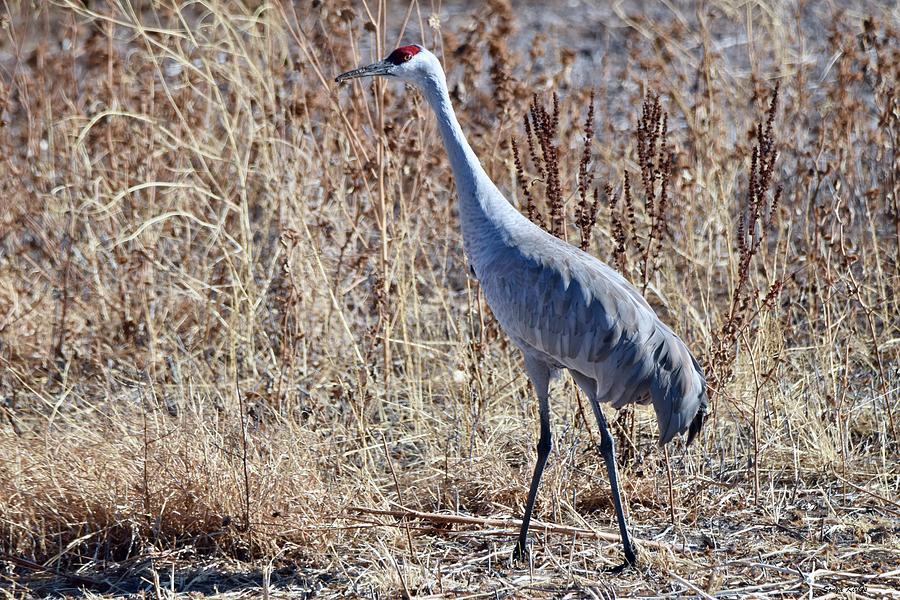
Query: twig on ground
[511,524]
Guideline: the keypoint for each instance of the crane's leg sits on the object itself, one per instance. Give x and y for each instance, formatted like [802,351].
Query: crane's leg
[609,457]
[539,373]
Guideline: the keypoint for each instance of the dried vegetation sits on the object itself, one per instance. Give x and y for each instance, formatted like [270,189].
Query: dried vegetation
[239,350]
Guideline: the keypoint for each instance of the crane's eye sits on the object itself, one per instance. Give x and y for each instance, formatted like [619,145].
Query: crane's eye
[402,54]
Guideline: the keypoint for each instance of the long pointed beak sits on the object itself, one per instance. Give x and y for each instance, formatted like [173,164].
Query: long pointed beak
[380,68]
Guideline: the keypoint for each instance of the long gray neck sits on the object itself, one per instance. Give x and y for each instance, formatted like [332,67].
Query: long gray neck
[467,169]
[484,213]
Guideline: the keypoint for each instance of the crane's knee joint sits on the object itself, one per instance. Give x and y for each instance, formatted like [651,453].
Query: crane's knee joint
[606,443]
[544,445]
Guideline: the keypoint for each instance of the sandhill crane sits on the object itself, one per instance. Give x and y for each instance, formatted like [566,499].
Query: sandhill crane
[561,306]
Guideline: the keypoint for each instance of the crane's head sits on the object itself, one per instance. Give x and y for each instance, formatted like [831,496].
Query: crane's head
[411,63]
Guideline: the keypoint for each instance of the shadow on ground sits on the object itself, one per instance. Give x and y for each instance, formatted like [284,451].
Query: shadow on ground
[161,580]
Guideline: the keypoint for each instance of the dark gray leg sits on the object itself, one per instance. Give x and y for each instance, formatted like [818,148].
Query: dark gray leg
[539,374]
[607,449]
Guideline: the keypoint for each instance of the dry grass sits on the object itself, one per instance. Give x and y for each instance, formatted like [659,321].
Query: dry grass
[234,305]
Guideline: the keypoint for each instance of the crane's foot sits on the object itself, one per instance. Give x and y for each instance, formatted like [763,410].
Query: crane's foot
[619,569]
[630,561]
[520,553]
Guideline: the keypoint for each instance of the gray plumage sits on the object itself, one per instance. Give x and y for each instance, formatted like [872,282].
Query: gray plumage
[561,306]
[565,308]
